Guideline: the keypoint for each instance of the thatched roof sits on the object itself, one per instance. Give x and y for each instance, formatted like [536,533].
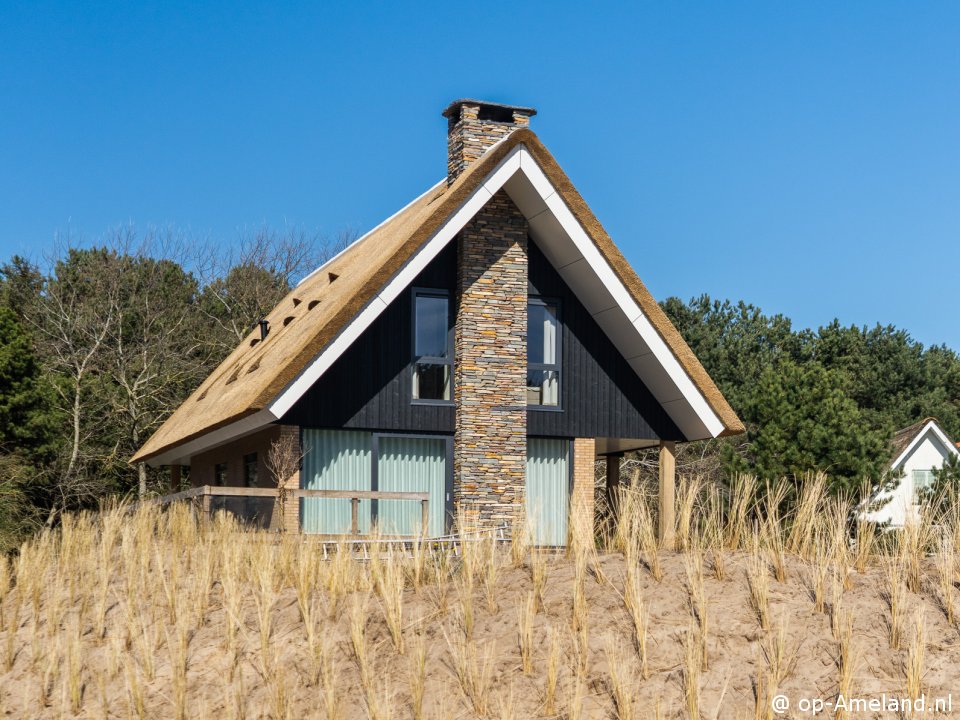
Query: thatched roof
[905,437]
[318,309]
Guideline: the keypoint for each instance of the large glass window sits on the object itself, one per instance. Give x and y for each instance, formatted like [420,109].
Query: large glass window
[543,353]
[432,354]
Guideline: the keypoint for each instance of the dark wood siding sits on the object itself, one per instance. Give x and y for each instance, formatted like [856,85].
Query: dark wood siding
[368,387]
[600,394]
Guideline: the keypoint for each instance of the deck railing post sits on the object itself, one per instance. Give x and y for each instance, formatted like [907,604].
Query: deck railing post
[205,502]
[424,517]
[354,515]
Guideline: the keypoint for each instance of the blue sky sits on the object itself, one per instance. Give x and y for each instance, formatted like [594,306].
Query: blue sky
[804,157]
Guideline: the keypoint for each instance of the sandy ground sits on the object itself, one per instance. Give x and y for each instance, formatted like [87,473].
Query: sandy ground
[109,672]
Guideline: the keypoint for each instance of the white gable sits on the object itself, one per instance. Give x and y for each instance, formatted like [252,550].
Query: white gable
[581,265]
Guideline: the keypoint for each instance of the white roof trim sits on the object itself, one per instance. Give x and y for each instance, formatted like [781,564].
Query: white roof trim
[940,435]
[181,454]
[535,196]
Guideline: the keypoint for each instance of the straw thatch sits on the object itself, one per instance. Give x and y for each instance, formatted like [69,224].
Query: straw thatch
[313,314]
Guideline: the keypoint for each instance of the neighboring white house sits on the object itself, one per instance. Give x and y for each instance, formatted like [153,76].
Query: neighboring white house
[917,451]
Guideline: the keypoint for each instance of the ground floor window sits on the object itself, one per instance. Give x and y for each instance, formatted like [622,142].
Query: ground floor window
[359,460]
[548,490]
[923,481]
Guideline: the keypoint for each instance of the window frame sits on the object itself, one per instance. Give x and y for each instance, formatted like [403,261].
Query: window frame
[248,460]
[557,367]
[928,473]
[430,359]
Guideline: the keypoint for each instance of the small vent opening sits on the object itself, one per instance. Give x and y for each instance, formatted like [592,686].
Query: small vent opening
[253,367]
[332,276]
[287,320]
[254,341]
[313,304]
[233,378]
[492,113]
[297,301]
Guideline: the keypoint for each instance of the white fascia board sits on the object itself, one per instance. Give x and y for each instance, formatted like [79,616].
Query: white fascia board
[181,454]
[517,161]
[941,436]
[397,284]
[622,298]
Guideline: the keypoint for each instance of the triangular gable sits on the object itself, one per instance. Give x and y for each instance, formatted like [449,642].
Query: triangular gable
[909,439]
[353,289]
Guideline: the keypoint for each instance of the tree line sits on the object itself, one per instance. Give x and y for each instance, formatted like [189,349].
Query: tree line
[828,399]
[99,344]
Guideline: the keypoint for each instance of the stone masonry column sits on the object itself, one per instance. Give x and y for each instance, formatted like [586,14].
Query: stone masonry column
[490,437]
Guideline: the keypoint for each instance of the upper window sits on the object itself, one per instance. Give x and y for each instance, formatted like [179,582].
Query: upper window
[220,474]
[432,354]
[543,353]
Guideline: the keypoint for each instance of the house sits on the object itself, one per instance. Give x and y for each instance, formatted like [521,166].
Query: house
[484,345]
[917,451]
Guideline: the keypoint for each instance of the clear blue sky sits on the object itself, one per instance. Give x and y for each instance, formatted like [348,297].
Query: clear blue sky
[802,156]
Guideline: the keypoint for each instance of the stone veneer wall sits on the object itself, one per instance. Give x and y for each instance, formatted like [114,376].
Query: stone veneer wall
[582,496]
[468,137]
[490,438]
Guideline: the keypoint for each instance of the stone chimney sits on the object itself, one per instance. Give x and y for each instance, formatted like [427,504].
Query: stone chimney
[473,126]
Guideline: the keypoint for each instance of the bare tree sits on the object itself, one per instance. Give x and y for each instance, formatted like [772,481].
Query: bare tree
[244,285]
[283,462]
[71,322]
[154,348]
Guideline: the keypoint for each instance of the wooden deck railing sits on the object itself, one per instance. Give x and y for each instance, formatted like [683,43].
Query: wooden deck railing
[206,493]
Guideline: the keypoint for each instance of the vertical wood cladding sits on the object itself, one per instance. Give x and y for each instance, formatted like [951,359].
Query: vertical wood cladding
[490,439]
[369,386]
[600,394]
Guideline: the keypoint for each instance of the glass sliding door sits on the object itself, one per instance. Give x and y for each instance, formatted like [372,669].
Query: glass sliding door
[411,464]
[548,490]
[335,460]
[358,460]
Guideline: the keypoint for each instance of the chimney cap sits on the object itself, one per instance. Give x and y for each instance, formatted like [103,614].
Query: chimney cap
[454,107]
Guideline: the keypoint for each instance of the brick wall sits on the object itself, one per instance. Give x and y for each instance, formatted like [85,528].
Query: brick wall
[202,466]
[491,360]
[582,496]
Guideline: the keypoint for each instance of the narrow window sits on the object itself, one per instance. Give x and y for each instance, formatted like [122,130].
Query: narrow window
[220,474]
[432,354]
[923,481]
[250,470]
[543,353]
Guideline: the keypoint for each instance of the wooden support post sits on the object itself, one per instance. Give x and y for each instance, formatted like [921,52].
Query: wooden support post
[613,481]
[354,516]
[425,517]
[174,478]
[668,471]
[205,502]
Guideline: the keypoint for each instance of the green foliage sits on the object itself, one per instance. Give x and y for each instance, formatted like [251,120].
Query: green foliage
[802,419]
[826,400]
[945,489]
[26,419]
